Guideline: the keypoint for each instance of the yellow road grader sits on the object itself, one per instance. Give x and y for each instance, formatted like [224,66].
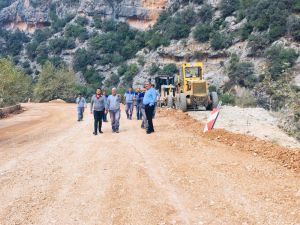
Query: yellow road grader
[188,91]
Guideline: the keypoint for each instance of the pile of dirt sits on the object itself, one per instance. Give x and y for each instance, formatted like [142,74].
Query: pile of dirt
[57,101]
[289,158]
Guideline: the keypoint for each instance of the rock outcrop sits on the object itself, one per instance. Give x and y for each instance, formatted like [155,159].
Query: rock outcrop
[23,15]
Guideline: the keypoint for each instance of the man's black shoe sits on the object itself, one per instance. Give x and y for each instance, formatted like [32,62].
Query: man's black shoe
[117,131]
[100,131]
[95,133]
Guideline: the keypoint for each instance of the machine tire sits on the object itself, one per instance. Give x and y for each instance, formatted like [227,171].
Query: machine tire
[182,102]
[215,99]
[170,101]
[177,101]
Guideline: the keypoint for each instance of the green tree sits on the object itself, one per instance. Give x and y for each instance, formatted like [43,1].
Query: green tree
[15,86]
[169,69]
[55,83]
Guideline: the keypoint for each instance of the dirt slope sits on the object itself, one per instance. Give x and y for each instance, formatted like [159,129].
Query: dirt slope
[257,122]
[53,171]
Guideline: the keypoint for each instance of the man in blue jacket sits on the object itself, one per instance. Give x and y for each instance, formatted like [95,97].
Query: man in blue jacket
[139,101]
[129,98]
[81,104]
[149,102]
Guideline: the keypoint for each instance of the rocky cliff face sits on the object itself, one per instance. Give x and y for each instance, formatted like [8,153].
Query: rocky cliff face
[28,15]
[21,15]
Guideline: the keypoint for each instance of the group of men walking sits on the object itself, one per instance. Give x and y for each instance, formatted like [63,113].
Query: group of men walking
[144,101]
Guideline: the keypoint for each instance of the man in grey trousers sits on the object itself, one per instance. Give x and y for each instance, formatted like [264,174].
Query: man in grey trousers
[113,107]
[81,104]
[129,99]
[98,106]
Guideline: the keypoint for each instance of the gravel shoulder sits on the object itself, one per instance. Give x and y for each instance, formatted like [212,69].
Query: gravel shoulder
[250,121]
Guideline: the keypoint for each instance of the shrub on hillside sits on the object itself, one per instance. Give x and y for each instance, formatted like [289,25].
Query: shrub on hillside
[171,27]
[227,7]
[83,21]
[12,42]
[244,98]
[202,32]
[131,71]
[141,60]
[294,27]
[205,14]
[58,44]
[280,59]
[82,59]
[31,49]
[42,52]
[57,61]
[227,99]
[74,30]
[257,44]
[14,86]
[5,3]
[245,31]
[169,69]
[42,35]
[112,81]
[241,73]
[296,6]
[220,41]
[156,40]
[91,76]
[154,69]
[269,15]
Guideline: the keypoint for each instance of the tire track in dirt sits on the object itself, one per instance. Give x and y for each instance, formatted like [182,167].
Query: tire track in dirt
[177,176]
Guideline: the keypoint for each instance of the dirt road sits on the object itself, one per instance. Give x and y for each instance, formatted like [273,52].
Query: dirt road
[54,171]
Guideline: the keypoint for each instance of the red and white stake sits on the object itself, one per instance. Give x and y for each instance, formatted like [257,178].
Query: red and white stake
[212,119]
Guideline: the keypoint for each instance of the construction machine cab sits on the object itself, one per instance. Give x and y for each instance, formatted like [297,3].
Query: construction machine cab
[192,81]
[166,86]
[193,90]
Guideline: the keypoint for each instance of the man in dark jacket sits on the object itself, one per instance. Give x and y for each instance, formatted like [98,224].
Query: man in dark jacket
[139,101]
